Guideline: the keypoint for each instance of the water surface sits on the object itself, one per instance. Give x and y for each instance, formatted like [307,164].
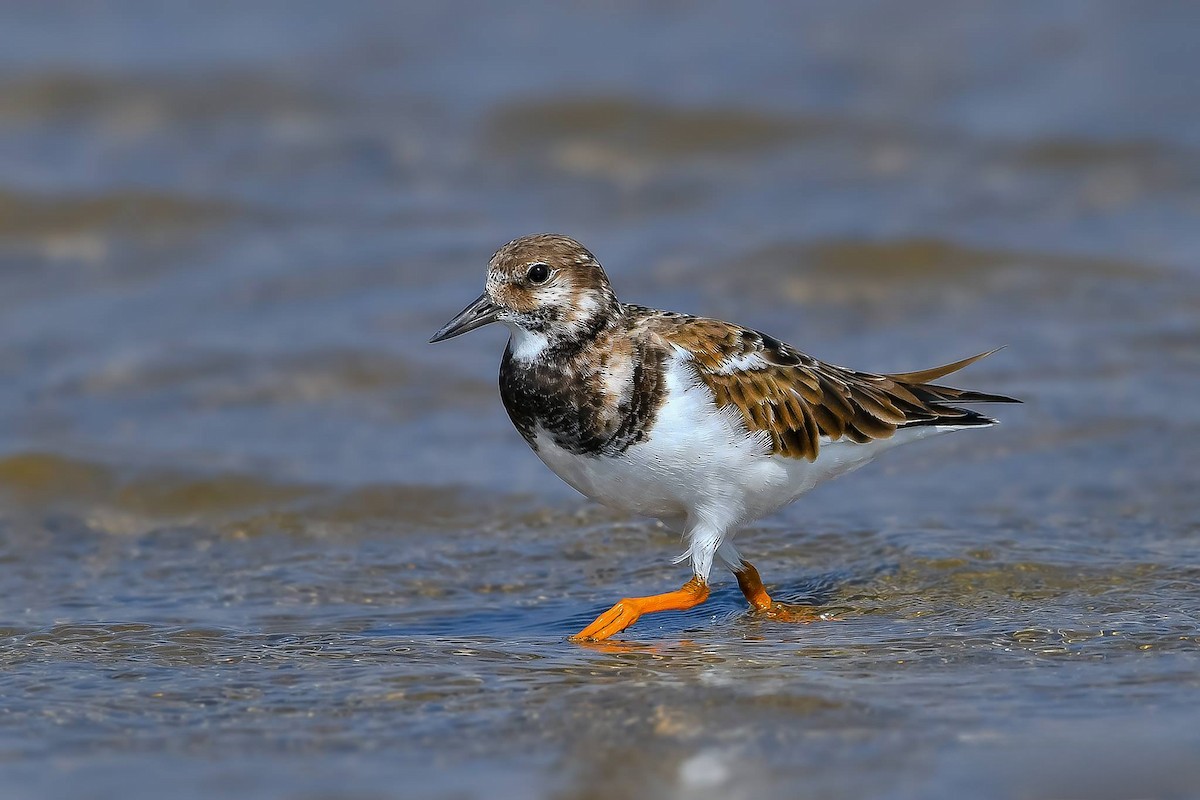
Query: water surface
[258,539]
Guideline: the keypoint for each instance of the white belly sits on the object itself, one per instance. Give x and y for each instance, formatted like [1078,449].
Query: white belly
[700,460]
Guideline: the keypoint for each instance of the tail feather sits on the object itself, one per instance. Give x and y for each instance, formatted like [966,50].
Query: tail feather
[951,396]
[947,399]
[928,375]
[966,418]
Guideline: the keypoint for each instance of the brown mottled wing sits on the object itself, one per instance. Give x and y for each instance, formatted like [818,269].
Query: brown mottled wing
[799,400]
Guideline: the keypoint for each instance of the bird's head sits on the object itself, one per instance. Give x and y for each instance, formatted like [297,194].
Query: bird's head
[547,289]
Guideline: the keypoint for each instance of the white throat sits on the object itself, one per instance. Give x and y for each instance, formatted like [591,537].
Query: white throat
[526,345]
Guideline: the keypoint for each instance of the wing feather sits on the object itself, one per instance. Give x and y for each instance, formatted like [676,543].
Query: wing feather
[799,401]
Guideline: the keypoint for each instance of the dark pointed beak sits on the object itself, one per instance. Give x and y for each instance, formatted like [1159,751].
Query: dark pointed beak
[476,315]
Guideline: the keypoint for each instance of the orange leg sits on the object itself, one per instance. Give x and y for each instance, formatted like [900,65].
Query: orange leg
[751,585]
[626,612]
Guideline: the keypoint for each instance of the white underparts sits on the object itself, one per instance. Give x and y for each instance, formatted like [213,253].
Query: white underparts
[700,470]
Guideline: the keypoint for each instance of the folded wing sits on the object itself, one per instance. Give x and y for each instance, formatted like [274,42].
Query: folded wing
[800,401]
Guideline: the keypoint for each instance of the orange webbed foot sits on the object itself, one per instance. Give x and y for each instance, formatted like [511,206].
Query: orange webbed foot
[752,587]
[789,612]
[630,609]
[615,620]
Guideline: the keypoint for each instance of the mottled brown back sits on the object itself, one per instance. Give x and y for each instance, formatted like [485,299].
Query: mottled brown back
[798,400]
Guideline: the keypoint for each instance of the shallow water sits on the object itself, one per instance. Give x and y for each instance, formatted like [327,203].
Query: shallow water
[258,539]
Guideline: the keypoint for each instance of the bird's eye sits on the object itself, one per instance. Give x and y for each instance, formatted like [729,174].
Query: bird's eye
[538,273]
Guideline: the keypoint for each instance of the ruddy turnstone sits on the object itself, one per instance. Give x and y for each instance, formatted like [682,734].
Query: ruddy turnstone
[702,424]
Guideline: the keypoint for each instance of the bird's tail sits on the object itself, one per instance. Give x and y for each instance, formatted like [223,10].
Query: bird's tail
[947,398]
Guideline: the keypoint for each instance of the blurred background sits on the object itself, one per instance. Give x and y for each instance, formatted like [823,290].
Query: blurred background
[257,538]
